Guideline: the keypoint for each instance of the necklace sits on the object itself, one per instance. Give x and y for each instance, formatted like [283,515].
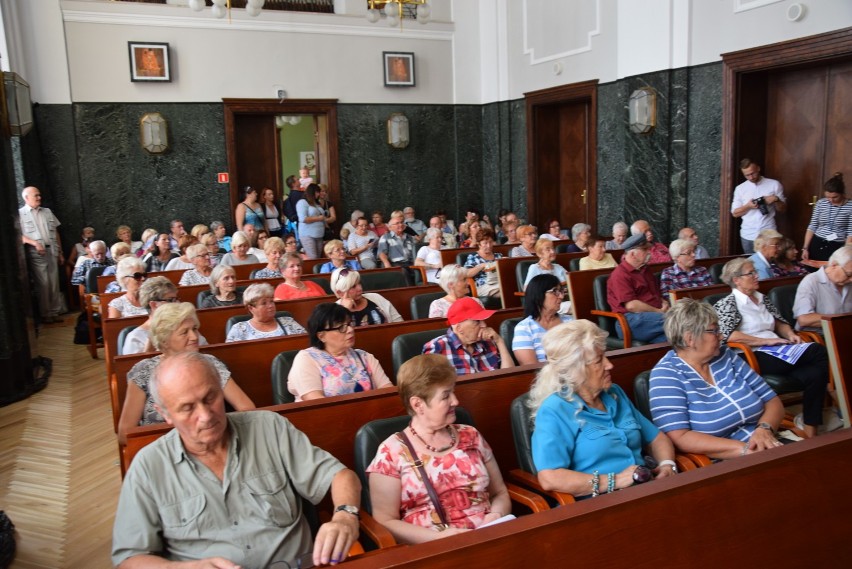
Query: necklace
[300,286]
[430,447]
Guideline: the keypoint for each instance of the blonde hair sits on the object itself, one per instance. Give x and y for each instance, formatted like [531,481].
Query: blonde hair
[331,246]
[255,292]
[240,238]
[199,230]
[273,244]
[541,243]
[342,284]
[119,249]
[167,319]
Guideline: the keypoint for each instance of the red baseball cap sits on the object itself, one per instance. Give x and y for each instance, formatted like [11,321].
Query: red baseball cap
[467,308]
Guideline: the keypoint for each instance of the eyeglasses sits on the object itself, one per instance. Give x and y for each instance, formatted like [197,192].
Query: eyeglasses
[289,242]
[714,331]
[137,276]
[687,254]
[749,274]
[204,255]
[557,291]
[341,328]
[171,299]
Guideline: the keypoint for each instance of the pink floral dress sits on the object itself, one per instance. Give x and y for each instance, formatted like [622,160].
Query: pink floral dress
[460,479]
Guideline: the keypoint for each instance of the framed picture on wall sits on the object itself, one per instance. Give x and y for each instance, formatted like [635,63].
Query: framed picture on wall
[308,160]
[149,61]
[399,68]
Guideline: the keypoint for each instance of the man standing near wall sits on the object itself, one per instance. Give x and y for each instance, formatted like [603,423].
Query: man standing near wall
[756,201]
[40,234]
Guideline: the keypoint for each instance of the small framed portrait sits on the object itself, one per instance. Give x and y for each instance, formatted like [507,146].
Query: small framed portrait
[399,68]
[308,159]
[149,61]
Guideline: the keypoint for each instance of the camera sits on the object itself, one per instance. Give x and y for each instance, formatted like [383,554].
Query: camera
[761,205]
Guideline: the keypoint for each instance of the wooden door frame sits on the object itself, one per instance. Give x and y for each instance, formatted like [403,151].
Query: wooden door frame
[585,92]
[824,48]
[274,107]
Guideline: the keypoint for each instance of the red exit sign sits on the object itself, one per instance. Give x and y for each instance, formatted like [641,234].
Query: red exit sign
[223,177]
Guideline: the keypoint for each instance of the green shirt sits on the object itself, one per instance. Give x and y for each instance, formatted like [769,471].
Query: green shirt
[173,506]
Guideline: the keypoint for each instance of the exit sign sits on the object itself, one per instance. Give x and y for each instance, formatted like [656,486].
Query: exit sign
[223,177]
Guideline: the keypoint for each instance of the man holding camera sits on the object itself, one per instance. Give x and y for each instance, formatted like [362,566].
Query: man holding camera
[756,201]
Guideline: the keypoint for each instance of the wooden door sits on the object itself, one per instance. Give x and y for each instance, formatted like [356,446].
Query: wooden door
[256,149]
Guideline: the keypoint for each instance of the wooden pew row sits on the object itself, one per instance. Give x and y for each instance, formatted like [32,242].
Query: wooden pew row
[695,519]
[837,330]
[331,423]
[698,293]
[250,361]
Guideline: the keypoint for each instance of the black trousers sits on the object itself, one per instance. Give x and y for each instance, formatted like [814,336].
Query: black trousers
[811,370]
[821,250]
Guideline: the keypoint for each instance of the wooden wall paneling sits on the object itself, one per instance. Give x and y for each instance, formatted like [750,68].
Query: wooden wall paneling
[838,147]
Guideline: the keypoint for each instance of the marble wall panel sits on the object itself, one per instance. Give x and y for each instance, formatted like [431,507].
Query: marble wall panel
[611,160]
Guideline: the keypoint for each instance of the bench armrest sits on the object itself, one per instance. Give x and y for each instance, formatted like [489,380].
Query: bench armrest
[375,531]
[621,319]
[527,480]
[750,358]
[526,498]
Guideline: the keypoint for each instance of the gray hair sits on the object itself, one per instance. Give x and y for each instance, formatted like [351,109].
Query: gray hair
[734,268]
[842,256]
[568,347]
[578,228]
[356,215]
[678,246]
[214,225]
[97,244]
[342,284]
[257,291]
[127,267]
[154,289]
[185,358]
[688,317]
[240,238]
[167,319]
[195,250]
[451,274]
[219,271]
[620,225]
[433,232]
[634,229]
[766,237]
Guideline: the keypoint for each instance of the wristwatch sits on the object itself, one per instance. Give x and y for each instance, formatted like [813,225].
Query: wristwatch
[349,510]
[766,426]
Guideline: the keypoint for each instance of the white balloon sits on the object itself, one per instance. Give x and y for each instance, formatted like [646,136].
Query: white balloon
[280,121]
[219,11]
[373,16]
[219,2]
[256,3]
[424,11]
[196,5]
[252,10]
[393,21]
[295,119]
[391,10]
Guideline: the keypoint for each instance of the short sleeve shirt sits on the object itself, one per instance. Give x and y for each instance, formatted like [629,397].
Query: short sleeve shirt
[528,335]
[626,284]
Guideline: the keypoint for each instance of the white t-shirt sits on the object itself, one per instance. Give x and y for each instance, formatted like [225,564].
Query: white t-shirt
[753,222]
[431,257]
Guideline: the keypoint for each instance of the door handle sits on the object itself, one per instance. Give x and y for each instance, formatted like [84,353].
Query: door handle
[583,195]
[814,201]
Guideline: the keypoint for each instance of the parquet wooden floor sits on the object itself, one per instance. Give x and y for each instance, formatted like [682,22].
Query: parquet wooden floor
[59,475]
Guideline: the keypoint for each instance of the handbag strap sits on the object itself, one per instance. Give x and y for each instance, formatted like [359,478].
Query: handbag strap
[418,464]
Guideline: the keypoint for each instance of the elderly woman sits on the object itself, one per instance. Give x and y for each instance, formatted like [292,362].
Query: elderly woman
[588,436]
[223,285]
[473,231]
[263,323]
[831,222]
[200,259]
[335,251]
[249,210]
[482,266]
[748,317]
[274,249]
[684,273]
[429,256]
[130,275]
[542,303]
[620,233]
[510,232]
[182,262]
[311,221]
[174,329]
[154,293]
[365,307]
[239,255]
[766,249]
[581,233]
[459,464]
[554,230]
[293,286]
[454,282]
[704,397]
[785,264]
[332,366]
[198,230]
[125,234]
[360,243]
[528,235]
[597,258]
[157,259]
[545,266]
[212,244]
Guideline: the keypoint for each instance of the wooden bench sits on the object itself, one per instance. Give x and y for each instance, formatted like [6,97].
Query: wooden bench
[837,330]
[698,293]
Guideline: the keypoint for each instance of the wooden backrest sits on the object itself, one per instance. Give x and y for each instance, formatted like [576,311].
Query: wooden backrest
[506,273]
[763,286]
[837,330]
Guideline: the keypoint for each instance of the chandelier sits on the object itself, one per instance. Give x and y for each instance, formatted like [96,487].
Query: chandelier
[393,9]
[223,7]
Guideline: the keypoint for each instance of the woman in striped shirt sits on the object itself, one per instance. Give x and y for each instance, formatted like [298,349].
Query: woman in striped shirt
[831,222]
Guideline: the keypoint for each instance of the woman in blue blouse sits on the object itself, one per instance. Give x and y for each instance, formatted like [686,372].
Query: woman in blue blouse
[704,397]
[311,222]
[588,436]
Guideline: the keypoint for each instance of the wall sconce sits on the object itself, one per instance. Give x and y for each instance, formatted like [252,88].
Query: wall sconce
[153,133]
[398,130]
[643,110]
[16,109]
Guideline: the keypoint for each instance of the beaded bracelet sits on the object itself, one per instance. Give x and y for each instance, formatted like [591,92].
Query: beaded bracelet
[596,484]
[610,483]
[745,449]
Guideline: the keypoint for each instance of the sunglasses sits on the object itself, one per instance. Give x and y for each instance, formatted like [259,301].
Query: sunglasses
[137,276]
[174,299]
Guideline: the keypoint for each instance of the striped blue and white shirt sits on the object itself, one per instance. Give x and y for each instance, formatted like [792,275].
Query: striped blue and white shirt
[681,399]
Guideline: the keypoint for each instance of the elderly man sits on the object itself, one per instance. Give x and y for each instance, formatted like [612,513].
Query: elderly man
[40,235]
[177,231]
[97,250]
[633,291]
[620,232]
[756,201]
[827,291]
[689,234]
[449,239]
[225,490]
[350,225]
[396,247]
[684,273]
[469,344]
[411,221]
[659,252]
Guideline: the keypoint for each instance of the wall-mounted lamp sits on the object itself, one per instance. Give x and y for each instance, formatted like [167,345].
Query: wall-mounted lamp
[153,133]
[398,130]
[643,110]
[16,109]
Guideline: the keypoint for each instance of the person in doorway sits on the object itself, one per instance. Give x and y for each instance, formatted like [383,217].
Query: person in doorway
[756,201]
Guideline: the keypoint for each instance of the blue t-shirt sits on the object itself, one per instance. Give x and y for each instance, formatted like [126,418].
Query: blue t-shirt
[590,439]
[314,229]
[528,334]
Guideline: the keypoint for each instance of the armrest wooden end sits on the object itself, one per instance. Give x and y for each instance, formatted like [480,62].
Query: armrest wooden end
[527,480]
[622,320]
[375,531]
[526,498]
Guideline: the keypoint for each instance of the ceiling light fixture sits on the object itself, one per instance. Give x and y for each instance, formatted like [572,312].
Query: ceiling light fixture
[393,10]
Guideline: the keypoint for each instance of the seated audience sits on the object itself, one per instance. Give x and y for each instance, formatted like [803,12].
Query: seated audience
[786,263]
[159,255]
[429,255]
[223,286]
[361,243]
[81,249]
[332,365]
[473,231]
[827,291]
[581,234]
[684,273]
[182,262]
[198,230]
[116,252]
[830,226]
[659,252]
[352,223]
[291,245]
[154,292]
[396,247]
[482,266]
[273,249]
[148,238]
[469,344]
[335,251]
[415,224]
[453,280]
[239,255]
[293,286]
[510,233]
[125,234]
[588,437]
[689,234]
[542,302]
[365,307]
[706,398]
[129,276]
[545,266]
[448,239]
[200,259]
[221,232]
[554,231]
[527,235]
[620,233]
[597,258]
[765,251]
[263,323]
[209,240]
[97,250]
[632,290]
[174,329]
[378,226]
[177,230]
[748,317]
[459,464]
[260,239]
[219,468]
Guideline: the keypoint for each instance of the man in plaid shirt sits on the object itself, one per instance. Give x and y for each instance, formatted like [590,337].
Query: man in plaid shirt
[684,273]
[469,344]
